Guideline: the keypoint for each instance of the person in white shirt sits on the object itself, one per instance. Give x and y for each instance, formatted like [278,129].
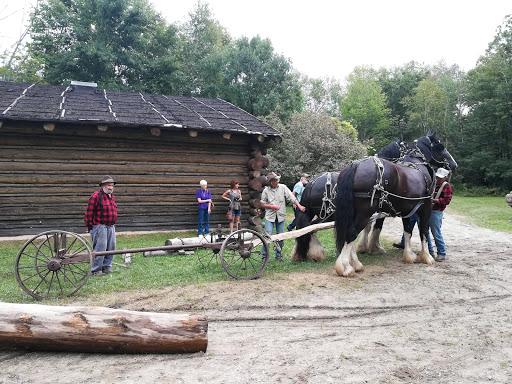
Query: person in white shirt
[273,199]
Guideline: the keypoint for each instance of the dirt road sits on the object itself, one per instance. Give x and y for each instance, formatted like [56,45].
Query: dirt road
[392,323]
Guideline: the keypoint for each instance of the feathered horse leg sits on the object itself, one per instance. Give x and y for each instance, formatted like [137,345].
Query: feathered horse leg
[363,244]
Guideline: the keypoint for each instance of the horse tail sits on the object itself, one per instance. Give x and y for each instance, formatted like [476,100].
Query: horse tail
[303,220]
[344,201]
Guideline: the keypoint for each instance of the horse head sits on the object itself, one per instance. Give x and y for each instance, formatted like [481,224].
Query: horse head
[435,152]
[393,150]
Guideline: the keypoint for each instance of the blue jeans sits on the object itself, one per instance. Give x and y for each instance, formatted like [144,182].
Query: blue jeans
[203,216]
[293,223]
[269,228]
[436,219]
[103,239]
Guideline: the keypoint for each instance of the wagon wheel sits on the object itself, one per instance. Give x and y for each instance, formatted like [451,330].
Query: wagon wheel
[207,255]
[241,254]
[53,264]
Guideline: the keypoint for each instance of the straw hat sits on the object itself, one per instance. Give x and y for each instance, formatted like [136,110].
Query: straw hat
[272,176]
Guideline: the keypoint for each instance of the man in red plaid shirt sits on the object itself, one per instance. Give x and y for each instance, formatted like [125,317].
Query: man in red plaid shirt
[442,197]
[100,219]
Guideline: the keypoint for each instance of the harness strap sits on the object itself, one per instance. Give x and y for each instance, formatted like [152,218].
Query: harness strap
[440,190]
[328,206]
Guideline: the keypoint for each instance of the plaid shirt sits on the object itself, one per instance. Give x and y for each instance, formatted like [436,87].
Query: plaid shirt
[102,209]
[444,198]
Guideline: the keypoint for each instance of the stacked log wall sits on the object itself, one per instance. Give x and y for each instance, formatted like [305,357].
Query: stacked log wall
[257,165]
[47,177]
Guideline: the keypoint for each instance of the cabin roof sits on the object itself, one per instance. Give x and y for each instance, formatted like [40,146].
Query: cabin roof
[79,104]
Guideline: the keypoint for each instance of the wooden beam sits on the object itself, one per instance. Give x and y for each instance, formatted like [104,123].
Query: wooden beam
[102,127]
[226,136]
[100,330]
[1,123]
[192,133]
[49,126]
[156,131]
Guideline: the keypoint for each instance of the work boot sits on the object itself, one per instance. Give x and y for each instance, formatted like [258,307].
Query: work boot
[98,273]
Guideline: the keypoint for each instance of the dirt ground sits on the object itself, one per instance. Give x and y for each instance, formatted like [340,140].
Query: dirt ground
[395,323]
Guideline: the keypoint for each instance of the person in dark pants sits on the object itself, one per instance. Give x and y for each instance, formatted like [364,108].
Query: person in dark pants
[297,192]
[100,220]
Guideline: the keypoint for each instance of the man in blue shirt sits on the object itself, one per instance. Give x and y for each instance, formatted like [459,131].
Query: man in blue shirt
[297,192]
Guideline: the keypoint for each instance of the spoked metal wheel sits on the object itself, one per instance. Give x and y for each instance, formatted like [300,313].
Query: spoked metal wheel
[244,254]
[207,255]
[53,264]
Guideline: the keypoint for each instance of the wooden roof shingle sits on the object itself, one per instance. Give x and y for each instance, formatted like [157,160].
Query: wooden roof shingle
[82,104]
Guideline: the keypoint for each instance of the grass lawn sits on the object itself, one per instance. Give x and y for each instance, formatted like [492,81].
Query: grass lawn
[162,271]
[487,212]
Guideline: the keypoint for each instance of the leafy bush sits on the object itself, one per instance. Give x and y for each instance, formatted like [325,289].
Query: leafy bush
[312,143]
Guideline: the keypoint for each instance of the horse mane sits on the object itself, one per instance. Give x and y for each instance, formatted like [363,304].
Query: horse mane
[393,150]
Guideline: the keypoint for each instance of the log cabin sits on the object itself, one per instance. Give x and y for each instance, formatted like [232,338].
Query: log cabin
[57,142]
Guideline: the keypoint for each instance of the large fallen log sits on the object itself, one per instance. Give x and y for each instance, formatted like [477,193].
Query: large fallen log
[100,330]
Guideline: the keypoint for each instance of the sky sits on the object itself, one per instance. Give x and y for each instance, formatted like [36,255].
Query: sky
[329,38]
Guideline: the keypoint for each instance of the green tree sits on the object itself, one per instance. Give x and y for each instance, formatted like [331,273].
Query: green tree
[364,106]
[312,143]
[322,95]
[121,44]
[488,145]
[426,108]
[260,81]
[398,83]
[203,49]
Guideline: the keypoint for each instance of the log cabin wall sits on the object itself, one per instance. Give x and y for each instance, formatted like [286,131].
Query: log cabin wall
[47,175]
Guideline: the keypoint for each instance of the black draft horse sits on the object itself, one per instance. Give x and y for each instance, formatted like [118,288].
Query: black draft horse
[318,199]
[393,152]
[376,185]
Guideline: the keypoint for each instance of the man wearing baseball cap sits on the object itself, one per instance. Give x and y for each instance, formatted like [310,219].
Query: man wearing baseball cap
[100,219]
[273,199]
[442,197]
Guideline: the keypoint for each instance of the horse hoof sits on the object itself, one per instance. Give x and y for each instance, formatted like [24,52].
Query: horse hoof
[350,273]
[339,270]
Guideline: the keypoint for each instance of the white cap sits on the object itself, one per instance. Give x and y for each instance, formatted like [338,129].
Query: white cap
[442,173]
[203,182]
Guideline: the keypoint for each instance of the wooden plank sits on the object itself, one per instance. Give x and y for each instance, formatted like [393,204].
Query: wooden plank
[303,231]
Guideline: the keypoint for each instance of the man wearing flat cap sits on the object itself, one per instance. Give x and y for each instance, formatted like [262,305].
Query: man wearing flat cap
[273,199]
[442,197]
[100,220]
